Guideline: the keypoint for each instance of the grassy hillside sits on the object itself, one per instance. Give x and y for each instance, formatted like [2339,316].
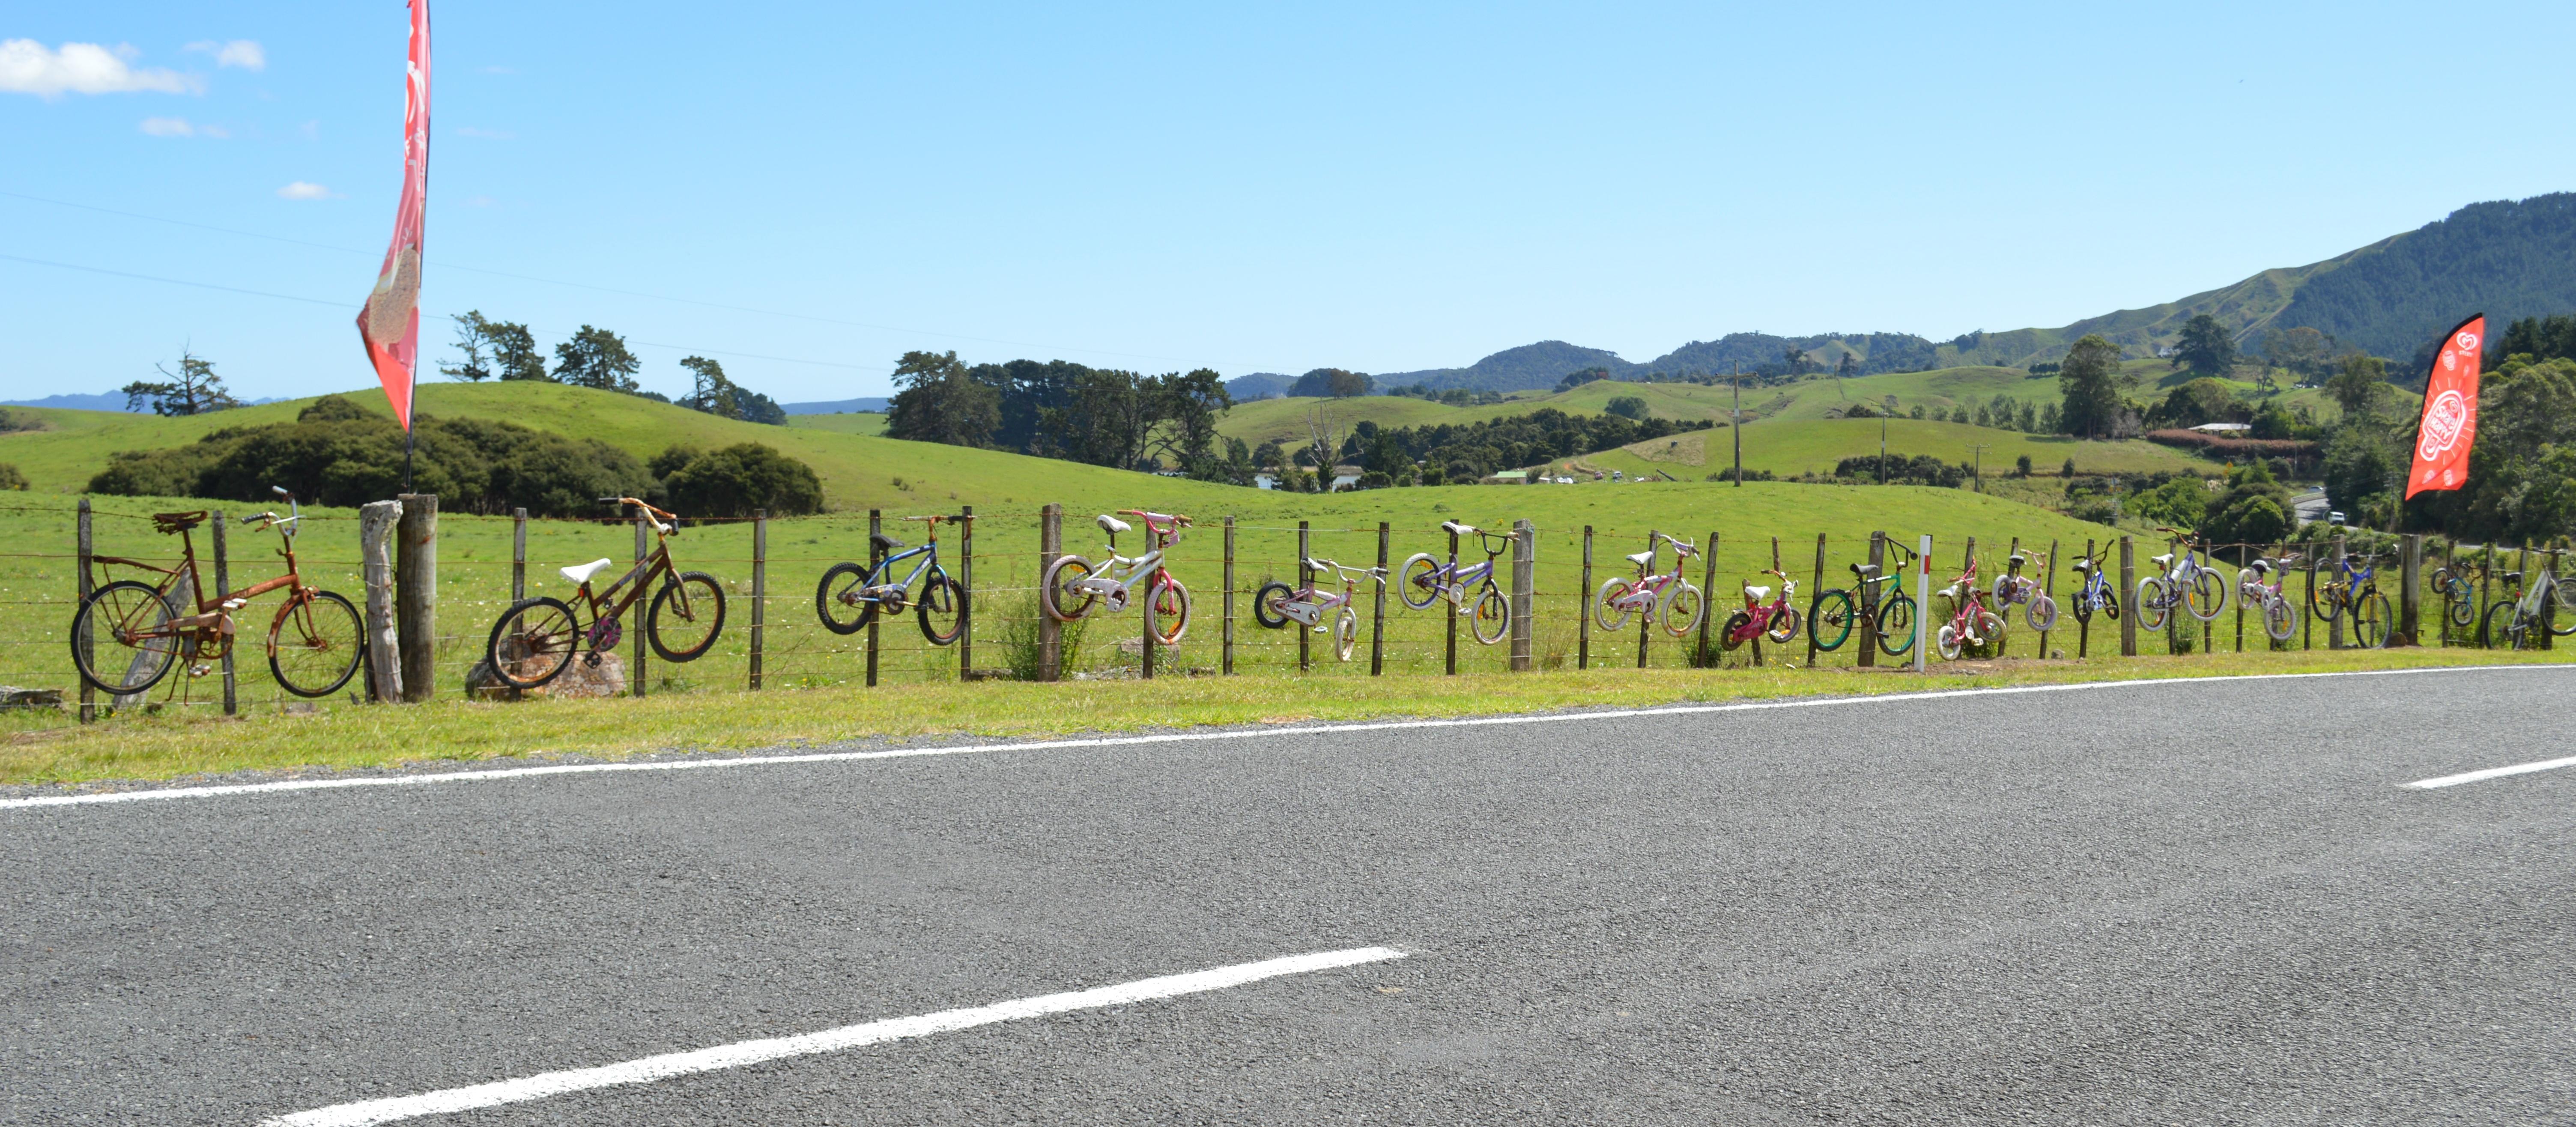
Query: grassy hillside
[1795,446]
[854,422]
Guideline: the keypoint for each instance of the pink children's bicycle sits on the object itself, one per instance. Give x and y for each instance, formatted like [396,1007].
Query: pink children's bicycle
[1277,604]
[1665,595]
[1776,620]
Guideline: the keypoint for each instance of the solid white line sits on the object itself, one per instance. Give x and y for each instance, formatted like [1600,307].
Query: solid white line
[114,797]
[741,1053]
[2490,773]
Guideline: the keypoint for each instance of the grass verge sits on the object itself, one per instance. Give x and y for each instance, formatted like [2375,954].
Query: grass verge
[165,747]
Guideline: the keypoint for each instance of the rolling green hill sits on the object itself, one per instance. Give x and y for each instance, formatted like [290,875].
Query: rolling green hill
[1789,447]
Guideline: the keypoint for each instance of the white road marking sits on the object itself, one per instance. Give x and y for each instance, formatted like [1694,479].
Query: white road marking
[154,795]
[740,1053]
[2490,773]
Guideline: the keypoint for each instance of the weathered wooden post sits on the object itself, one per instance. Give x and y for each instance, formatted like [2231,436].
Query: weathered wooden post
[1524,590]
[2334,627]
[2048,587]
[1050,631]
[1377,616]
[384,659]
[1815,592]
[2084,622]
[2239,600]
[1225,626]
[1305,578]
[1645,619]
[876,555]
[966,592]
[224,590]
[2128,590]
[2174,613]
[416,593]
[635,642]
[82,546]
[1453,608]
[518,554]
[2004,612]
[759,589]
[1708,597]
[1583,609]
[2307,622]
[2410,608]
[1869,624]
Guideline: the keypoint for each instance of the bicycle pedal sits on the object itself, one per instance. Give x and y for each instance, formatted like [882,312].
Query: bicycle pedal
[200,670]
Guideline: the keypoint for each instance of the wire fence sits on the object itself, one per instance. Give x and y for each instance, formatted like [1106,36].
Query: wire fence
[2423,590]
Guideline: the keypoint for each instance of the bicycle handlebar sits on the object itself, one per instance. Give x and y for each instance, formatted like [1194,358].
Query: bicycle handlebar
[1154,517]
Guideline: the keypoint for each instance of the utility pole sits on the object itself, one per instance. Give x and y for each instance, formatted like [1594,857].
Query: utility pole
[1979,450]
[1737,423]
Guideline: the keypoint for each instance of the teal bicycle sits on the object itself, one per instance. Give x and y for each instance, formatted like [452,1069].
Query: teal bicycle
[850,596]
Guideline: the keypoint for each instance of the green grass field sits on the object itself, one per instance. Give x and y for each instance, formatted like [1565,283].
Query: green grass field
[1789,447]
[869,423]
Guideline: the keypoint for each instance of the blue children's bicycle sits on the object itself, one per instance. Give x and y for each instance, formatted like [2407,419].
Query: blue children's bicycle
[2353,588]
[852,595]
[2097,592]
[1424,580]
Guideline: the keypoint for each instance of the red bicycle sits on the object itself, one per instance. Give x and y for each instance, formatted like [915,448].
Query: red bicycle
[1972,624]
[1776,620]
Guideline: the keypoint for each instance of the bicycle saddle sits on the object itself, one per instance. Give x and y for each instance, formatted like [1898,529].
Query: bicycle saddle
[1460,529]
[1864,570]
[579,574]
[885,543]
[1757,592]
[1111,525]
[1643,558]
[2513,577]
[177,522]
[2165,559]
[2017,559]
[2083,565]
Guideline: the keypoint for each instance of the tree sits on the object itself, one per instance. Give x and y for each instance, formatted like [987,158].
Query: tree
[741,480]
[939,402]
[194,389]
[1848,368]
[2205,347]
[2198,401]
[11,479]
[1796,359]
[1628,407]
[2301,349]
[712,393]
[1574,380]
[2254,509]
[474,341]
[597,358]
[1335,383]
[515,354]
[1185,408]
[2093,385]
[2360,387]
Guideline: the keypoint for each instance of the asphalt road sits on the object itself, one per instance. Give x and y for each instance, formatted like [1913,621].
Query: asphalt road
[2190,902]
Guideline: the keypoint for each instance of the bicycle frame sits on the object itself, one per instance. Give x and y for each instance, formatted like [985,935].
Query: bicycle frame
[1758,614]
[1308,605]
[212,624]
[1650,586]
[1452,581]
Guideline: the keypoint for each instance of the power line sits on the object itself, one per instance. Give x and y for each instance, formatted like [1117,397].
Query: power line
[445,265]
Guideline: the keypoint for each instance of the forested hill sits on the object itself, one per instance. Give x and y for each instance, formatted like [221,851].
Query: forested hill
[2510,259]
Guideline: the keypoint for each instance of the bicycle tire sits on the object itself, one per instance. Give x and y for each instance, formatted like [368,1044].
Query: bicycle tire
[116,605]
[2151,604]
[2566,608]
[1057,587]
[1783,627]
[2083,605]
[694,598]
[839,588]
[1896,625]
[330,633]
[943,599]
[1605,604]
[2280,618]
[2041,614]
[1346,633]
[1494,609]
[524,652]
[2110,603]
[2324,603]
[1991,629]
[1419,575]
[1169,603]
[1946,642]
[1831,624]
[2371,620]
[1697,601]
[1269,604]
[1730,633]
[2206,589]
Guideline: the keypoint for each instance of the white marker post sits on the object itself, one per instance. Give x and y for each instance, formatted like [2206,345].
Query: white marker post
[1922,601]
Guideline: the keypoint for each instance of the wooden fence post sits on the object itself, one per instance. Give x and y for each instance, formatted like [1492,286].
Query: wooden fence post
[1583,608]
[82,545]
[2410,609]
[1815,592]
[966,593]
[1453,608]
[876,528]
[1305,578]
[2084,622]
[2005,613]
[1050,631]
[2238,597]
[2174,613]
[518,554]
[224,590]
[1225,627]
[2334,628]
[1646,621]
[2128,590]
[1524,590]
[1377,616]
[2308,616]
[416,594]
[635,643]
[2048,587]
[384,660]
[759,590]
[1708,598]
[1869,624]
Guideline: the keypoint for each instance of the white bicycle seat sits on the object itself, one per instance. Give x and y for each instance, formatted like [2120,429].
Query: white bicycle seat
[1111,525]
[1460,529]
[1641,559]
[1758,592]
[2163,560]
[2083,565]
[579,574]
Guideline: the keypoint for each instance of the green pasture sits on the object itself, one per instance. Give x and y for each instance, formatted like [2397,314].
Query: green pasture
[1789,447]
[869,423]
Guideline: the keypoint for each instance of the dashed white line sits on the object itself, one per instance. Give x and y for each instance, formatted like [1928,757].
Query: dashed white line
[499,774]
[740,1053]
[2489,773]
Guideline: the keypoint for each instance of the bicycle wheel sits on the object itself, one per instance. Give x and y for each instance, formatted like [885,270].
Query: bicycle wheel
[1170,608]
[1493,617]
[2370,620]
[693,604]
[2459,600]
[115,644]
[1419,581]
[2206,596]
[1270,604]
[2152,605]
[1784,626]
[941,609]
[532,643]
[2041,614]
[837,601]
[1057,593]
[315,649]
[1946,643]
[2110,603]
[2565,612]
[2280,618]
[2083,604]
[2326,601]
[1896,625]
[1346,633]
[1833,621]
[1990,633]
[1682,610]
[1607,611]
[1734,631]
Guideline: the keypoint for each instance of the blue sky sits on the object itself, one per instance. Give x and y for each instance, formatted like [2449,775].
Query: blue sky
[1371,186]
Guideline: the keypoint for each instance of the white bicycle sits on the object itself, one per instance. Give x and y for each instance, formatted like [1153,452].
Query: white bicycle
[1075,588]
[1658,595]
[2013,587]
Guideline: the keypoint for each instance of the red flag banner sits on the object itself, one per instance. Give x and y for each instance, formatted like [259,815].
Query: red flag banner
[2450,423]
[390,322]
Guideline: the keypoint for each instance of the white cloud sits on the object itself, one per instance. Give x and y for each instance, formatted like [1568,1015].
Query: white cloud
[486,134]
[28,67]
[243,53]
[301,190]
[169,127]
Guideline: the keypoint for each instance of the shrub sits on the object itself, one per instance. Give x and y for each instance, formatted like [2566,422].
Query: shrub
[1627,407]
[741,479]
[10,478]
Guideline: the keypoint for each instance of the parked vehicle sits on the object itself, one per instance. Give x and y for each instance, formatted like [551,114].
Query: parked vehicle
[2524,619]
[2095,592]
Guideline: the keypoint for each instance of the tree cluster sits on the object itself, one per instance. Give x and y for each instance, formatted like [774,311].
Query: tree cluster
[712,393]
[1897,469]
[1470,452]
[1057,409]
